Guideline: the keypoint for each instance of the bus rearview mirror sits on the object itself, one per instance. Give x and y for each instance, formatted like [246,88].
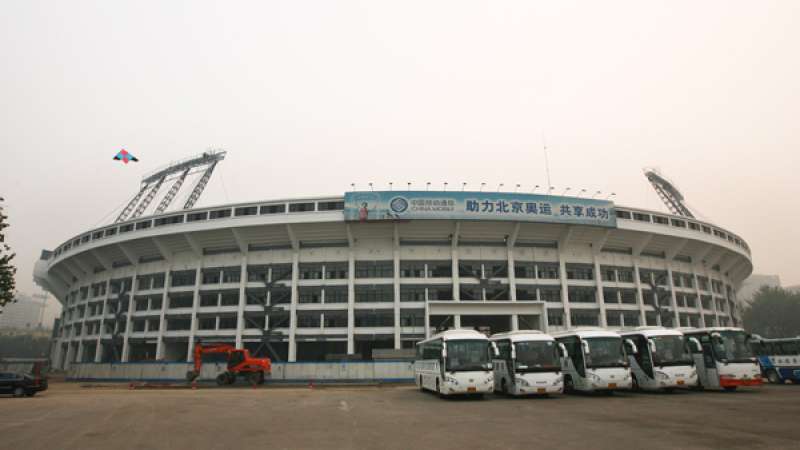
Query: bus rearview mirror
[698,348]
[652,344]
[632,346]
[585,346]
[563,349]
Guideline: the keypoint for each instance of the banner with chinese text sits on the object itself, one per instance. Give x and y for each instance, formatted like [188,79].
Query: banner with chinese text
[405,205]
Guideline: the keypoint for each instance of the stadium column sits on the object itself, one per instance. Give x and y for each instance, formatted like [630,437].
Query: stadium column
[673,297]
[563,241]
[455,274]
[161,317]
[396,284]
[713,297]
[636,253]
[98,349]
[293,307]
[195,306]
[699,299]
[597,247]
[242,301]
[512,276]
[128,319]
[351,290]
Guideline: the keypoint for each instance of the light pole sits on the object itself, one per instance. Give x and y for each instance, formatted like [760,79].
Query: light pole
[581,192]
[499,186]
[482,185]
[353,186]
[596,194]
[370,186]
[516,188]
[565,191]
[463,185]
[535,188]
[550,189]
[611,195]
[409,185]
[390,185]
[427,185]
[445,186]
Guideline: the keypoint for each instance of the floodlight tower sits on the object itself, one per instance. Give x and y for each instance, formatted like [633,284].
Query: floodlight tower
[668,193]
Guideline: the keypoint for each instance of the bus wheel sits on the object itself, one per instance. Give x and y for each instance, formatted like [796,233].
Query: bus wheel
[222,379]
[438,389]
[730,388]
[773,377]
[421,387]
[569,388]
[634,383]
[504,386]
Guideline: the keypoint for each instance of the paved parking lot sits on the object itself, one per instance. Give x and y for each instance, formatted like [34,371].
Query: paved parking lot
[69,416]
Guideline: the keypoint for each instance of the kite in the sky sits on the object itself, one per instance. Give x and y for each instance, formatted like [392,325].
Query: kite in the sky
[125,157]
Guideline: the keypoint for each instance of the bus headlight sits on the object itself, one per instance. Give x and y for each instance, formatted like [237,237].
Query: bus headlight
[522,382]
[451,380]
[661,376]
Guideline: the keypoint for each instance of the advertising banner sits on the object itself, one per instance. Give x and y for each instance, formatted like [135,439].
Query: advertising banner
[406,205]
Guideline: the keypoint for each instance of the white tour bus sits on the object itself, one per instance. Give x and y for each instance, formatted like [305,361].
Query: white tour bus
[455,362]
[527,362]
[724,359]
[663,360]
[596,361]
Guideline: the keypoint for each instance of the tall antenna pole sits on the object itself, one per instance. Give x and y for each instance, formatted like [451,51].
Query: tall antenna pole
[546,160]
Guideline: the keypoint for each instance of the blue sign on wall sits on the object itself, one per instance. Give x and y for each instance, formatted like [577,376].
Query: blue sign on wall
[403,205]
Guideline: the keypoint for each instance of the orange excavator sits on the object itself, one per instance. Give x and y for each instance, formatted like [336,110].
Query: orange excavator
[240,363]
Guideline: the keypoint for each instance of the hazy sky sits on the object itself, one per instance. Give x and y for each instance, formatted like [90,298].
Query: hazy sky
[308,97]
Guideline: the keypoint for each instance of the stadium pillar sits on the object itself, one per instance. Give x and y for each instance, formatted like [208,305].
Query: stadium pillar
[563,241]
[456,276]
[195,306]
[396,286]
[161,318]
[242,301]
[639,295]
[293,306]
[673,296]
[699,299]
[351,291]
[512,276]
[128,321]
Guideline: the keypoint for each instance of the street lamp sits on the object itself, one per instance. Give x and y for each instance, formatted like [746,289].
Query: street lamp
[516,188]
[463,185]
[551,189]
[566,190]
[427,185]
[390,185]
[581,192]
[445,186]
[482,185]
[499,186]
[535,188]
[611,195]
[596,194]
[370,187]
[353,185]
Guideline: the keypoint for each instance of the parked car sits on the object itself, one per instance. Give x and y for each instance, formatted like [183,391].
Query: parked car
[20,385]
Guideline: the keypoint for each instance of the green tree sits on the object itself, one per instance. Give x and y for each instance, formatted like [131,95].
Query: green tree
[7,270]
[774,313]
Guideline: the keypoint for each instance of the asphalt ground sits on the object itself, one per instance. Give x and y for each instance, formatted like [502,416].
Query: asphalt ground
[73,416]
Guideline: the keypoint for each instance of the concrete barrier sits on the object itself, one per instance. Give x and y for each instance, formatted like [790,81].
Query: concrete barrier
[282,372]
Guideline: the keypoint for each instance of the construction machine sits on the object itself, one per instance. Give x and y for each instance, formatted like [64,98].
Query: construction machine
[239,361]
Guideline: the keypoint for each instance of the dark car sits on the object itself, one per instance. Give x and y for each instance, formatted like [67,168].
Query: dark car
[20,385]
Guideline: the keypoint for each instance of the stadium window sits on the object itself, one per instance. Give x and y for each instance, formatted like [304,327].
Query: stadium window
[273,209]
[330,206]
[335,271]
[85,239]
[209,300]
[623,215]
[195,217]
[310,271]
[580,272]
[661,220]
[207,323]
[581,295]
[678,223]
[97,235]
[641,217]
[706,229]
[374,318]
[309,294]
[526,292]
[440,269]
[219,214]
[550,294]
[179,324]
[181,300]
[625,275]
[412,269]
[694,226]
[374,269]
[301,207]
[412,317]
[555,317]
[547,271]
[524,270]
[584,318]
[382,293]
[161,221]
[144,225]
[440,292]
[122,229]
[211,276]
[610,296]
[183,278]
[412,293]
[628,296]
[246,211]
[335,319]
[111,232]
[227,323]
[229,298]
[336,294]
[231,274]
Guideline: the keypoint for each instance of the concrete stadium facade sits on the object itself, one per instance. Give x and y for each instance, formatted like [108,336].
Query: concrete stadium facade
[296,274]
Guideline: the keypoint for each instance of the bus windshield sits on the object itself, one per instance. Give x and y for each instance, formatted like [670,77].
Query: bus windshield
[670,351]
[605,352]
[468,354]
[536,356]
[733,346]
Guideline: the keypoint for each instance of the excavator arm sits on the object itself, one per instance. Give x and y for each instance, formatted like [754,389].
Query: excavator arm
[199,350]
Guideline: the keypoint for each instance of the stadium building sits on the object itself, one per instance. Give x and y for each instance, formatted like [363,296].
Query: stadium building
[334,277]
